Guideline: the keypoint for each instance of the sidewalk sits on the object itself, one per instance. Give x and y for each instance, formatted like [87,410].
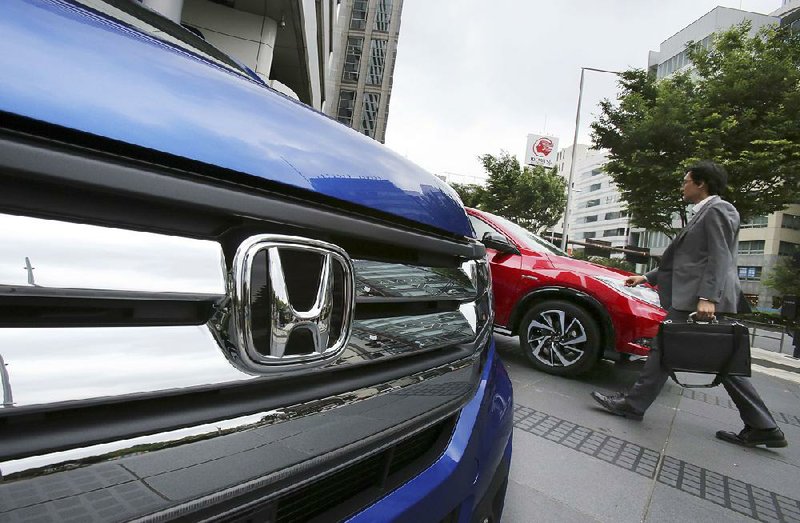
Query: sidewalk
[573,462]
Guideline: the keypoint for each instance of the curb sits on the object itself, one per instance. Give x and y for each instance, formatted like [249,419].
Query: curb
[774,360]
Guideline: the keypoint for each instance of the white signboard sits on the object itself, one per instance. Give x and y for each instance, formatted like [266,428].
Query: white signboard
[541,150]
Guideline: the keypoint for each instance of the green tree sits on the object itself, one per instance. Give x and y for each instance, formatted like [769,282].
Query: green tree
[785,277]
[738,106]
[471,194]
[533,197]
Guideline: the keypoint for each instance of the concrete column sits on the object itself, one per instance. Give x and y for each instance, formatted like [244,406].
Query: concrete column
[169,8]
[266,48]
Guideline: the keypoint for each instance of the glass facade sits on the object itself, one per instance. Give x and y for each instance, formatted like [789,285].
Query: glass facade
[790,221]
[365,52]
[369,117]
[352,59]
[755,222]
[347,102]
[614,232]
[377,61]
[751,247]
[358,17]
[750,273]
[383,15]
[788,248]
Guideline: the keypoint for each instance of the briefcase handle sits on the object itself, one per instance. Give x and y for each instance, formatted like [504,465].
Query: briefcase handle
[691,319]
[725,368]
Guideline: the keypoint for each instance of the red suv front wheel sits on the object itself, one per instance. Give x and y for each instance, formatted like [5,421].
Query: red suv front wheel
[559,338]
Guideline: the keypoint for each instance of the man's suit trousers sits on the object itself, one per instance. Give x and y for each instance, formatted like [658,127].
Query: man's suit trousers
[652,379]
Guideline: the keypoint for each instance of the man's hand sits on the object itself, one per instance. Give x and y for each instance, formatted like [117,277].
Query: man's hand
[705,310]
[633,281]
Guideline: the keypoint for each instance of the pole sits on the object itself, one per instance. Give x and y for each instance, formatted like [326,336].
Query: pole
[574,153]
[572,166]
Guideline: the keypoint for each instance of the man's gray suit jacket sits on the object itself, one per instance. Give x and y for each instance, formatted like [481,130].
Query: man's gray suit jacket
[701,261]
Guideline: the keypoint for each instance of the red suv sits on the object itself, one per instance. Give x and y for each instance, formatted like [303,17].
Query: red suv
[568,313]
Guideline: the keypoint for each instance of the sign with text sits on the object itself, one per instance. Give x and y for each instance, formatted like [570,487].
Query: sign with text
[541,150]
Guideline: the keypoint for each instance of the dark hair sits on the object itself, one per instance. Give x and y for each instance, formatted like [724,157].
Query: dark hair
[714,175]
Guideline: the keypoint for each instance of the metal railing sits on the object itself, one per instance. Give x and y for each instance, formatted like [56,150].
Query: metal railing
[768,336]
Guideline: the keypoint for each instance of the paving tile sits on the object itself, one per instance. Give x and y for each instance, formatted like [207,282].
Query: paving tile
[577,481]
[525,504]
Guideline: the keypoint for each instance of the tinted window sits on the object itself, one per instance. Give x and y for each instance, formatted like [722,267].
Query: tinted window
[527,238]
[480,227]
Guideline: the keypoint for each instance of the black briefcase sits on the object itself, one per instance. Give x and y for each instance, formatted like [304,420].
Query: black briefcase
[706,348]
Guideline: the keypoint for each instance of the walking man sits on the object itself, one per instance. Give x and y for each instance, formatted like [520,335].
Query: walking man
[698,274]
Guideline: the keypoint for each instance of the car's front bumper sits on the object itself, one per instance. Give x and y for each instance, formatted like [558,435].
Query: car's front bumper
[636,326]
[468,481]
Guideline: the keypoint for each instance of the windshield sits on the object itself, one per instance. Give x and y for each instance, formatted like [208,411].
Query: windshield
[527,238]
[148,22]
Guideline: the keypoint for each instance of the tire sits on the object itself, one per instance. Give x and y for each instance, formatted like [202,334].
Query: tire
[560,338]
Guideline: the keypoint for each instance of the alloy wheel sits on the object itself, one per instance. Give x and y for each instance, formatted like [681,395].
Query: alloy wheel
[556,338]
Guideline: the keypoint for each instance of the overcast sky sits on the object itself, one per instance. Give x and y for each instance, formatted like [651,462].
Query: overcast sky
[476,77]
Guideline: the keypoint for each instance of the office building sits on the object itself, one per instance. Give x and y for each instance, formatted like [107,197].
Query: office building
[672,55]
[596,210]
[362,65]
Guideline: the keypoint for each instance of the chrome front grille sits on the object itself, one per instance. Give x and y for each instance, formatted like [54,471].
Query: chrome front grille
[91,312]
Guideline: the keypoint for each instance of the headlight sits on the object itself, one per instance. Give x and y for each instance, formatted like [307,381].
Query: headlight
[645,294]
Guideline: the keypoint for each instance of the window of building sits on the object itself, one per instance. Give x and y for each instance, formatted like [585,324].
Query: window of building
[377,59]
[794,27]
[620,231]
[347,102]
[788,248]
[358,17]
[750,273]
[383,15]
[587,219]
[656,239]
[615,215]
[595,187]
[755,222]
[790,221]
[589,234]
[352,59]
[751,247]
[592,203]
[369,116]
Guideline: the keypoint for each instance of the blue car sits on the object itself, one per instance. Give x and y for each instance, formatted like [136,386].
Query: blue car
[219,304]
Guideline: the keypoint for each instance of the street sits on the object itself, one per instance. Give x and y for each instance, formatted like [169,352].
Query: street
[573,462]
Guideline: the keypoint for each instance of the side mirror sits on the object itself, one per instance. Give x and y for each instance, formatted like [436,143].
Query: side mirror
[498,242]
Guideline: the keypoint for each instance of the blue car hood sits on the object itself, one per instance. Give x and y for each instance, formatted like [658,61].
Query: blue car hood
[71,67]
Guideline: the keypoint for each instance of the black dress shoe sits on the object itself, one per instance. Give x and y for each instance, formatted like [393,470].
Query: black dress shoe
[750,437]
[617,405]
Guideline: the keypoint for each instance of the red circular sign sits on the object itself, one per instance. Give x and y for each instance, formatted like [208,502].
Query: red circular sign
[543,146]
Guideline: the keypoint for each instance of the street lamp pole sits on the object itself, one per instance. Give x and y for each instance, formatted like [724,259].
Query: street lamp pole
[574,154]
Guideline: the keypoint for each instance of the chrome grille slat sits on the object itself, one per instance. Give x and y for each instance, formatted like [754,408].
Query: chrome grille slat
[379,279]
